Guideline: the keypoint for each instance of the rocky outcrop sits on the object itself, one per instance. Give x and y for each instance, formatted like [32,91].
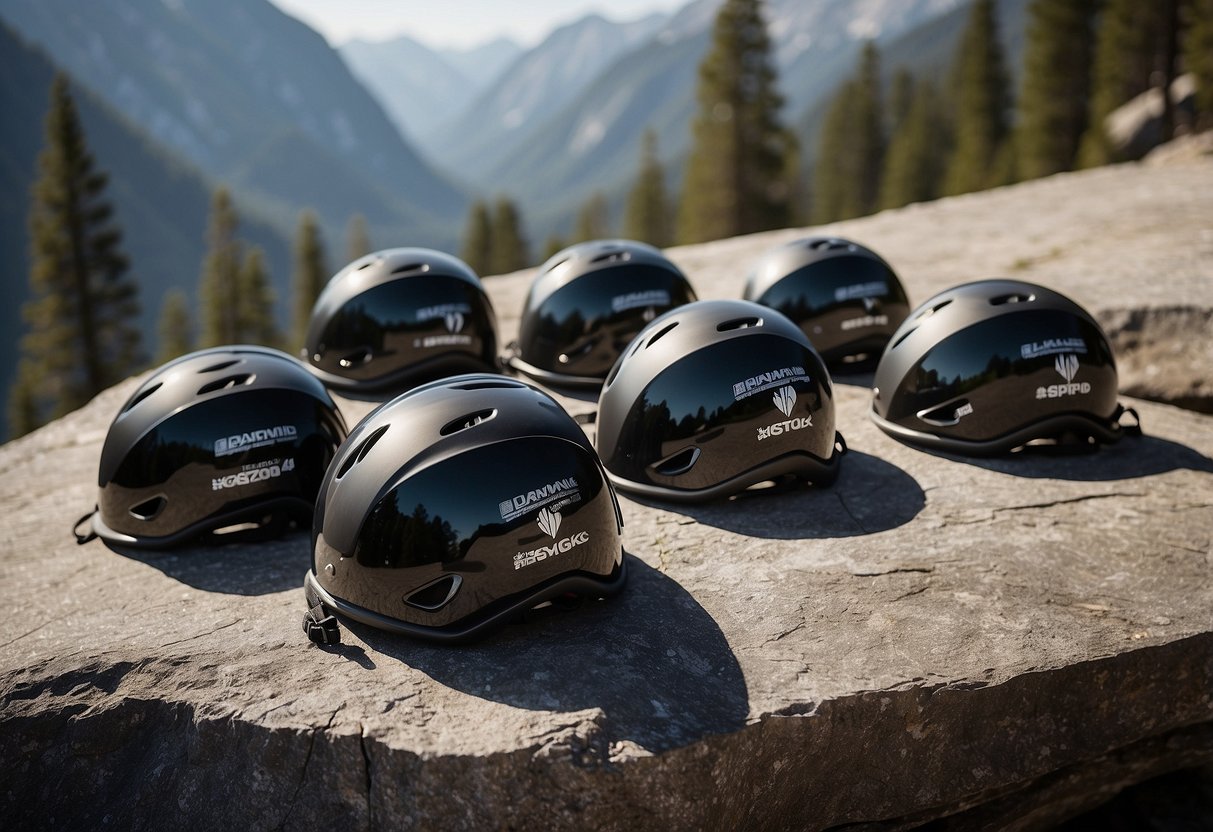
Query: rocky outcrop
[999,643]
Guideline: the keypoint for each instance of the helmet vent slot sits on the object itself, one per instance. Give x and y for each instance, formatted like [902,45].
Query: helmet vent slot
[142,395]
[678,463]
[660,334]
[226,382]
[357,455]
[926,313]
[366,264]
[434,596]
[946,415]
[357,357]
[222,365]
[148,509]
[829,244]
[557,264]
[902,337]
[1013,297]
[411,267]
[617,256]
[504,384]
[468,421]
[738,323]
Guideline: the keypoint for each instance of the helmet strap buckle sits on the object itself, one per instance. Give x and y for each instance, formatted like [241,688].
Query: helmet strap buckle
[319,624]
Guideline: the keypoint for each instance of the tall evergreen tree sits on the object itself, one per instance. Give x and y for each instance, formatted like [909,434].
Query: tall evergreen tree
[982,99]
[82,335]
[833,195]
[175,327]
[850,158]
[734,174]
[357,238]
[1053,103]
[1198,56]
[310,275]
[901,99]
[917,153]
[647,216]
[593,219]
[509,243]
[256,307]
[478,238]
[219,287]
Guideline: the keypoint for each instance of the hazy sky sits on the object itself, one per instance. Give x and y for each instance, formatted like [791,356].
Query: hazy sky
[457,23]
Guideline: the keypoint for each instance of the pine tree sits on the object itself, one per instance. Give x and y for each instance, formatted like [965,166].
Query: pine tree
[357,238]
[914,166]
[901,99]
[647,216]
[175,327]
[982,98]
[850,159]
[256,305]
[733,182]
[1198,56]
[509,244]
[593,220]
[1053,104]
[310,275]
[478,238]
[219,288]
[81,335]
[833,194]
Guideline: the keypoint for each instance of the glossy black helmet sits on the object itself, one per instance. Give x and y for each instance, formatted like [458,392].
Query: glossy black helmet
[397,318]
[842,295]
[585,305]
[986,367]
[220,439]
[713,397]
[456,506]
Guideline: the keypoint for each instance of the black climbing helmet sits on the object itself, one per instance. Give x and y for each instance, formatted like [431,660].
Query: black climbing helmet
[585,305]
[233,439]
[459,505]
[986,367]
[841,294]
[397,318]
[714,397]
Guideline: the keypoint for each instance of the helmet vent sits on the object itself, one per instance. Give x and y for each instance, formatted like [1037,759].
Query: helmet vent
[618,256]
[226,382]
[357,455]
[142,395]
[503,384]
[148,509]
[411,267]
[946,415]
[678,463]
[926,313]
[434,596]
[829,244]
[355,358]
[1013,297]
[366,264]
[222,365]
[660,334]
[904,336]
[738,323]
[468,421]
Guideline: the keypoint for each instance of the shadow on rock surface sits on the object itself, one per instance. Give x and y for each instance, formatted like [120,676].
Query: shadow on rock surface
[236,568]
[1129,458]
[870,495]
[651,658]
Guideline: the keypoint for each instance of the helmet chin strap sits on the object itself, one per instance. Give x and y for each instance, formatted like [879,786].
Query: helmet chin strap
[318,622]
[81,539]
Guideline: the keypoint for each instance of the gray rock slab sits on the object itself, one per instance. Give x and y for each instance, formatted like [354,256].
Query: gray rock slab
[993,643]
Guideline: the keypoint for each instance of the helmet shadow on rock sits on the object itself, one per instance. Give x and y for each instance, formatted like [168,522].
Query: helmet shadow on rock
[870,495]
[651,659]
[237,568]
[1130,458]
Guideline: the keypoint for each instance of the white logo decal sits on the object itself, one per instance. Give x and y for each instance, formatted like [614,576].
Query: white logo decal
[1052,346]
[1066,366]
[964,410]
[268,470]
[238,442]
[549,521]
[866,320]
[787,426]
[544,552]
[767,381]
[785,399]
[861,290]
[561,492]
[454,321]
[442,310]
[635,300]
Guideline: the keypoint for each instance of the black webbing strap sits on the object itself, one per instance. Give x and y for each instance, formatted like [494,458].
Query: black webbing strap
[1130,430]
[319,624]
[81,539]
[840,444]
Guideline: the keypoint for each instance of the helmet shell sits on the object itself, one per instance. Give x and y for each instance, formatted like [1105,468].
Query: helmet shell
[586,304]
[397,318]
[842,295]
[987,366]
[215,438]
[460,503]
[713,397]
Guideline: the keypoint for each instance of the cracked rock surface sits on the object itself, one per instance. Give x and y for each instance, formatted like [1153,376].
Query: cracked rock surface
[1000,643]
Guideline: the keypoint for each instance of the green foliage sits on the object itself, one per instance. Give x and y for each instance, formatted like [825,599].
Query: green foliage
[593,220]
[175,327]
[734,175]
[917,152]
[509,244]
[647,216]
[219,288]
[901,99]
[310,275]
[81,335]
[981,94]
[1053,102]
[357,238]
[850,160]
[1198,56]
[256,302]
[478,238]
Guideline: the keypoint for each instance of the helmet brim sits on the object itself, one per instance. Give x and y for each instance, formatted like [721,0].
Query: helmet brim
[1104,431]
[555,379]
[802,465]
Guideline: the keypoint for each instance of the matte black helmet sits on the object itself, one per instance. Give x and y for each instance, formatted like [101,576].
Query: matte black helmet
[986,367]
[713,397]
[586,304]
[841,294]
[218,439]
[456,506]
[398,318]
